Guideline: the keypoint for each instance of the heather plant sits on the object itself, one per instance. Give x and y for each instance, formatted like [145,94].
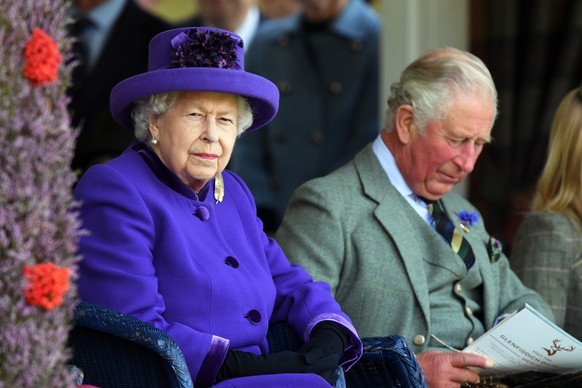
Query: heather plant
[37,225]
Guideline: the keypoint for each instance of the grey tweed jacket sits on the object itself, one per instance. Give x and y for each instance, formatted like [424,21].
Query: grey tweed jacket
[354,230]
[547,256]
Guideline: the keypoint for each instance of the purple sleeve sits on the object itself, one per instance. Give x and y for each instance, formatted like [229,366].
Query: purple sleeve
[304,303]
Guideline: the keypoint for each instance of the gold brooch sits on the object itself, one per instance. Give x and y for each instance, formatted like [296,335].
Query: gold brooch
[218,188]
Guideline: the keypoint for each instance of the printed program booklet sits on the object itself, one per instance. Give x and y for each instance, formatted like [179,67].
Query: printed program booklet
[526,341]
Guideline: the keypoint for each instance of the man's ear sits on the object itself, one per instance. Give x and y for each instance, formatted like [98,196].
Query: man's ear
[404,123]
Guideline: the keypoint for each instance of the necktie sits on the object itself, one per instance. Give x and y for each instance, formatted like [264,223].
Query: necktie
[451,234]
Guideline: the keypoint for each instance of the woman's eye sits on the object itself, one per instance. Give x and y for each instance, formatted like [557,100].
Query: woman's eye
[227,120]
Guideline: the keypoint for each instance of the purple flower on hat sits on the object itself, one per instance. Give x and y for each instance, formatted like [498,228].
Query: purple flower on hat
[205,48]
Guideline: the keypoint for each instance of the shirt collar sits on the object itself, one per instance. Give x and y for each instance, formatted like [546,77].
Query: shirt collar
[249,26]
[105,15]
[389,166]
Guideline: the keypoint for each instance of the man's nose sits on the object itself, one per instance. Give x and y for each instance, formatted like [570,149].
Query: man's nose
[467,157]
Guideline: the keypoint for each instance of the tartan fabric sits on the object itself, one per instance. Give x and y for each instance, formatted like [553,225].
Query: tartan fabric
[451,234]
[533,49]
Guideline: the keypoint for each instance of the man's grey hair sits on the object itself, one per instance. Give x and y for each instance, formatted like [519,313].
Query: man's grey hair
[157,104]
[430,83]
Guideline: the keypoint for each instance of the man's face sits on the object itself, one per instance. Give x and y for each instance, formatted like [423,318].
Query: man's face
[220,13]
[321,10]
[433,162]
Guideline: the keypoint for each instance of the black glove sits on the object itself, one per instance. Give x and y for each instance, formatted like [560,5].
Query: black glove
[239,364]
[320,355]
[325,349]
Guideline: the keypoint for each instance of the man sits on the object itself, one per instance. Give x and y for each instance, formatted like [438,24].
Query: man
[366,229]
[276,9]
[115,37]
[324,60]
[242,17]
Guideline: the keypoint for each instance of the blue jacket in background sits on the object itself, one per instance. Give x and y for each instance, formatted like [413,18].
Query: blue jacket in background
[328,78]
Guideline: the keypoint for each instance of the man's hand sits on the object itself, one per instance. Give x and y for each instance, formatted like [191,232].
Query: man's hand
[451,369]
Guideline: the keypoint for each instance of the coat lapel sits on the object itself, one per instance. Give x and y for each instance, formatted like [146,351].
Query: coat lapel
[393,214]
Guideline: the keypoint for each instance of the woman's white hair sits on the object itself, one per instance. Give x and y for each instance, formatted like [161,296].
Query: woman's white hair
[430,83]
[157,104]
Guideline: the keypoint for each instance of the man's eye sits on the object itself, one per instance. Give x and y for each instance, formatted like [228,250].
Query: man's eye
[457,142]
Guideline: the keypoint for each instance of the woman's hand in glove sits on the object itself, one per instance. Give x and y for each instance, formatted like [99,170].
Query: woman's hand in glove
[325,349]
[320,355]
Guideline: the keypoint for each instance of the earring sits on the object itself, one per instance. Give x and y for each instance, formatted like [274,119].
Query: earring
[154,140]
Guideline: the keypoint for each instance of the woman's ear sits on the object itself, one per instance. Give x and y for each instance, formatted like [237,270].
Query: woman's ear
[153,127]
[404,123]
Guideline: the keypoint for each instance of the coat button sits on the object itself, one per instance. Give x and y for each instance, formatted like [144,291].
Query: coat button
[317,138]
[335,87]
[356,45]
[254,317]
[470,340]
[284,87]
[202,213]
[231,261]
[468,311]
[278,137]
[458,288]
[284,40]
[419,340]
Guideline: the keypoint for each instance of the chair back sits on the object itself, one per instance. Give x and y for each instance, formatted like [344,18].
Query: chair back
[117,350]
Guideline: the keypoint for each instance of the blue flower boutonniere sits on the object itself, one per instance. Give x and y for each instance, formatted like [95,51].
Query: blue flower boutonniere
[467,219]
[494,248]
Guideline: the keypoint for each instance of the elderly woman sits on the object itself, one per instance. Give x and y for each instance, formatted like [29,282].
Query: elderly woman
[173,238]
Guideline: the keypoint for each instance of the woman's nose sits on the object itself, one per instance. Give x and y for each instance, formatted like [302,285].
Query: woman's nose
[210,133]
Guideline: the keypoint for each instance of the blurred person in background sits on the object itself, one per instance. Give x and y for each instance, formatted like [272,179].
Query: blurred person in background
[239,16]
[325,61]
[276,9]
[547,251]
[113,38]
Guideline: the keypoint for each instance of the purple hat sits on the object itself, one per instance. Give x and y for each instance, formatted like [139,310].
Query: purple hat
[196,59]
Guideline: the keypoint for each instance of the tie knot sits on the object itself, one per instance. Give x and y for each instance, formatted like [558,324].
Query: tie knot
[435,209]
[430,205]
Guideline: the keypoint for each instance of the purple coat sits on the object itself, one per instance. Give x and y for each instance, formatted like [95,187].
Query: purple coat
[204,272]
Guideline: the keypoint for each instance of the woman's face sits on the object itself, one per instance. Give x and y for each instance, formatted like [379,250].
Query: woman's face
[196,135]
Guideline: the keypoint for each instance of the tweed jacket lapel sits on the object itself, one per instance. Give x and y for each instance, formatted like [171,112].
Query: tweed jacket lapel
[393,214]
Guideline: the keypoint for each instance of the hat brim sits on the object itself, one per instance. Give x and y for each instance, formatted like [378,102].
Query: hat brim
[262,94]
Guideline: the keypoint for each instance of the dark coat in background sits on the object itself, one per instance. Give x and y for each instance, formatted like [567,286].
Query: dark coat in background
[124,54]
